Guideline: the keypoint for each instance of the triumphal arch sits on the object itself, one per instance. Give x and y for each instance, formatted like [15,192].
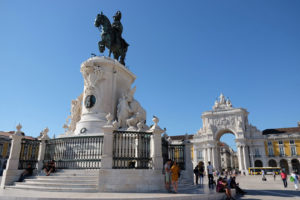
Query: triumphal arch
[222,119]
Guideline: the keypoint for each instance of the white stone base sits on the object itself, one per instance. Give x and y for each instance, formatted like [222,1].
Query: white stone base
[10,176]
[130,180]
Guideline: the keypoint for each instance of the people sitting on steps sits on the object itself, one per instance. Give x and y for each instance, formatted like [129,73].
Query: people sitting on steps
[49,167]
[222,186]
[27,173]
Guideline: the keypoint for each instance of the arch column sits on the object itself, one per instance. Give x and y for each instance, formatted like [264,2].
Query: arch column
[240,156]
[209,154]
[214,158]
[205,157]
[246,158]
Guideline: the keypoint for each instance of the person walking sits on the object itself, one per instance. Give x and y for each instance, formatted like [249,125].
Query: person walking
[167,169]
[175,174]
[263,175]
[196,172]
[210,175]
[295,178]
[201,173]
[283,177]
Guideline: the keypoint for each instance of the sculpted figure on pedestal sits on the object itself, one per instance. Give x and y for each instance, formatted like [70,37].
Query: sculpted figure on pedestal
[130,112]
[137,113]
[76,107]
[123,111]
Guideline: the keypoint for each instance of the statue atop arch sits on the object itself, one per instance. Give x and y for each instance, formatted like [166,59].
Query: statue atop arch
[222,103]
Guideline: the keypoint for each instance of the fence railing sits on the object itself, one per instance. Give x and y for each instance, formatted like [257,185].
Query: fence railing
[29,153]
[131,150]
[176,153]
[83,152]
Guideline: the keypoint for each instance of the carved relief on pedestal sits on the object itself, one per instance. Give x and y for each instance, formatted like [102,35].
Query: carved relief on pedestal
[91,73]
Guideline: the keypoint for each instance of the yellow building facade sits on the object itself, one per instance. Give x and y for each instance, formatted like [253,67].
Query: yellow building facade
[282,148]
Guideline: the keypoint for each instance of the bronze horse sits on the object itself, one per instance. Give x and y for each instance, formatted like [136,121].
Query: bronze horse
[110,39]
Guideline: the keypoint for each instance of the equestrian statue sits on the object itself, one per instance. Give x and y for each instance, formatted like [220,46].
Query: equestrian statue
[111,36]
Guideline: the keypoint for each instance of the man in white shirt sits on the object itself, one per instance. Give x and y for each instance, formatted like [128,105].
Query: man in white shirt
[210,174]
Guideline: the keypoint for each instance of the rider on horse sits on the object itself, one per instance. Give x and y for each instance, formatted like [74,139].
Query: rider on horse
[117,27]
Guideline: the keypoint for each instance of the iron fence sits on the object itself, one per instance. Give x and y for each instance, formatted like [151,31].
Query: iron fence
[29,153]
[83,152]
[131,150]
[176,153]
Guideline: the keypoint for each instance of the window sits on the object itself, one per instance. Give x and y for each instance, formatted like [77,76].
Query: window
[270,150]
[257,152]
[293,151]
[269,143]
[281,151]
[200,155]
[280,142]
[292,142]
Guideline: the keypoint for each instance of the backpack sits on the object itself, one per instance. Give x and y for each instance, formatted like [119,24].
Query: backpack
[196,171]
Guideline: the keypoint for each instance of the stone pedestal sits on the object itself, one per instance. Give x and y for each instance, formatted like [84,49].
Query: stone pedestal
[105,81]
[130,180]
[11,173]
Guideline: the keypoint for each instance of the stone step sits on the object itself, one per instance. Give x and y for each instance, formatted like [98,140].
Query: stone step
[92,172]
[69,175]
[51,189]
[41,181]
[59,185]
[65,178]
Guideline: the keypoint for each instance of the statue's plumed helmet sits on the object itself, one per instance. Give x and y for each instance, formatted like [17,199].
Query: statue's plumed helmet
[118,15]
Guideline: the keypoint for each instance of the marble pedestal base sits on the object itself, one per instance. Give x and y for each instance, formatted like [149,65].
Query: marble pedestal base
[130,180]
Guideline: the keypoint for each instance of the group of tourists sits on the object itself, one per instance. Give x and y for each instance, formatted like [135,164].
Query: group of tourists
[223,184]
[172,174]
[48,168]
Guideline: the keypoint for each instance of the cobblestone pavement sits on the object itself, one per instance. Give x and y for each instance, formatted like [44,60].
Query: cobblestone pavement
[266,190]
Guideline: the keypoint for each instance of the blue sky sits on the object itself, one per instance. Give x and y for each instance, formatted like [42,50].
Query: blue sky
[184,53]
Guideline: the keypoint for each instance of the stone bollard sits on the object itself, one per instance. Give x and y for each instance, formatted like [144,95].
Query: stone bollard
[42,149]
[156,153]
[11,173]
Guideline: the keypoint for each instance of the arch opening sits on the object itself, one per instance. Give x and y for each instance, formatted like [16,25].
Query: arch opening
[296,165]
[226,151]
[284,165]
[258,163]
[272,163]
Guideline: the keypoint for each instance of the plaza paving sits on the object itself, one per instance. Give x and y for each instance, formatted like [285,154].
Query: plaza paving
[270,190]
[256,190]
